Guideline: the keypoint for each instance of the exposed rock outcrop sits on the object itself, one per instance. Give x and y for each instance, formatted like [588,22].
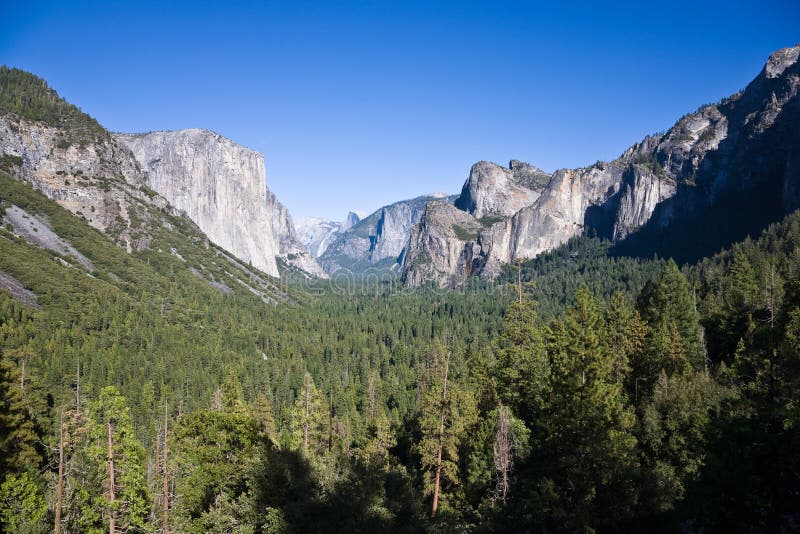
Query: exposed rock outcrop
[378,240]
[220,185]
[316,234]
[290,247]
[743,149]
[492,190]
[92,176]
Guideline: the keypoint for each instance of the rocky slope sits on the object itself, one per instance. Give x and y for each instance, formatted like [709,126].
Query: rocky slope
[70,158]
[88,173]
[221,186]
[290,246]
[316,234]
[738,159]
[378,240]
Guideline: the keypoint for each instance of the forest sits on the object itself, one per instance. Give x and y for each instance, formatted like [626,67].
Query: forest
[583,391]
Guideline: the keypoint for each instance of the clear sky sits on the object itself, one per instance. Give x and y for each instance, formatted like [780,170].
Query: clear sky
[358,104]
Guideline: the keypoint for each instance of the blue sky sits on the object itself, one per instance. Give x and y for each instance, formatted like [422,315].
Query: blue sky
[358,104]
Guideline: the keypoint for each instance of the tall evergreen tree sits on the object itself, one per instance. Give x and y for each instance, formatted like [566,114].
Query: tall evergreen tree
[445,412]
[17,433]
[670,299]
[522,368]
[309,418]
[585,452]
[125,502]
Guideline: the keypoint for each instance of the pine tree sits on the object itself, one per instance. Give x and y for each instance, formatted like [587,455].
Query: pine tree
[380,439]
[17,433]
[125,502]
[214,455]
[23,508]
[445,412]
[522,368]
[586,449]
[626,335]
[309,418]
[262,411]
[673,433]
[671,299]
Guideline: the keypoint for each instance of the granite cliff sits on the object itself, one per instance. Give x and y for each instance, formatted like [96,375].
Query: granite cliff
[738,159]
[221,186]
[316,233]
[132,186]
[378,240]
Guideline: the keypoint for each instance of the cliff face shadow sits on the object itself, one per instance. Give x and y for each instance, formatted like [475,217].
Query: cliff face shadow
[740,188]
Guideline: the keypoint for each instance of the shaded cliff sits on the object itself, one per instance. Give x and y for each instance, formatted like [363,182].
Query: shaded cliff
[719,173]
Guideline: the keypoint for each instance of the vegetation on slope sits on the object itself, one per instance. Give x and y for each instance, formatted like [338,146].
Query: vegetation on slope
[614,410]
[29,96]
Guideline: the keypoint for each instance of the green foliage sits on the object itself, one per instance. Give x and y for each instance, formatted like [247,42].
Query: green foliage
[559,415]
[7,161]
[112,441]
[309,418]
[670,299]
[586,445]
[522,366]
[465,234]
[23,508]
[216,454]
[28,96]
[18,436]
[673,436]
[446,411]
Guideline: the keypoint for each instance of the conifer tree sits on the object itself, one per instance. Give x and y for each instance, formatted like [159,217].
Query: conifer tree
[309,418]
[522,368]
[587,448]
[445,412]
[17,433]
[125,502]
[671,299]
[626,335]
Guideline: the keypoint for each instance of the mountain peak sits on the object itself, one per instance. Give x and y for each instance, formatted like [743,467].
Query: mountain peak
[781,60]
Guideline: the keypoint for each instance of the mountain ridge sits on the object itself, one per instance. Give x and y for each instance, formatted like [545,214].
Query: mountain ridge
[717,152]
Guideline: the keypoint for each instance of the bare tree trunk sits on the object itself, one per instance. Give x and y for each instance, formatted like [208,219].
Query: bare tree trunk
[78,388]
[502,454]
[60,481]
[371,386]
[22,376]
[437,478]
[306,400]
[330,421]
[112,516]
[165,487]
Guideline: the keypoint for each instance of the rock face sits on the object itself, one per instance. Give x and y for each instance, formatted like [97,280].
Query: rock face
[378,240]
[743,152]
[220,185]
[73,160]
[92,176]
[492,190]
[316,234]
[290,247]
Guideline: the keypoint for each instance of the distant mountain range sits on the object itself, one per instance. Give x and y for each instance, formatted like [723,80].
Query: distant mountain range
[720,173]
[723,172]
